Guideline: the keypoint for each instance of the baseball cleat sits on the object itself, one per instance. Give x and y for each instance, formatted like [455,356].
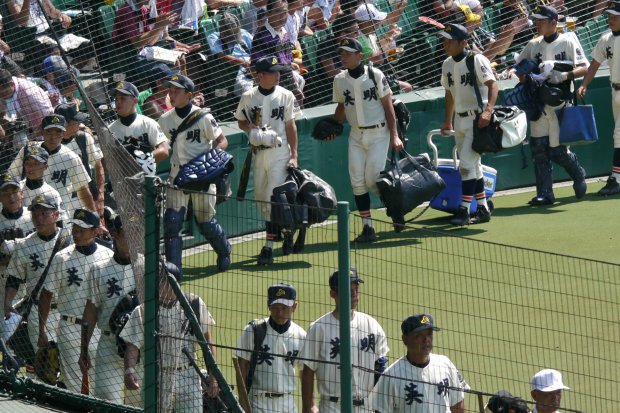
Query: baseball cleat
[461,217]
[223,262]
[265,257]
[542,200]
[399,224]
[482,215]
[368,235]
[287,246]
[612,187]
[580,187]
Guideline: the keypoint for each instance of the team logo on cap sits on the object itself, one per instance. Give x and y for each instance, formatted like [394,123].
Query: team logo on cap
[274,61]
[345,42]
[448,28]
[175,77]
[537,9]
[6,177]
[80,214]
[33,149]
[280,292]
[425,320]
[120,85]
[39,198]
[55,120]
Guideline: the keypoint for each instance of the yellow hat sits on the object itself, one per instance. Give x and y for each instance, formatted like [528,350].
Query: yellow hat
[470,16]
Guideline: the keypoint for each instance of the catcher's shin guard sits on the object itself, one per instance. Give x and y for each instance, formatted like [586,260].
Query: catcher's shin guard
[215,235]
[173,244]
[543,171]
[568,160]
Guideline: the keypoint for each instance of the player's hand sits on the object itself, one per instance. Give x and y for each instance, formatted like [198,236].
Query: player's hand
[213,389]
[42,342]
[581,92]
[396,144]
[485,119]
[165,19]
[131,381]
[84,363]
[198,99]
[292,163]
[313,409]
[65,20]
[446,129]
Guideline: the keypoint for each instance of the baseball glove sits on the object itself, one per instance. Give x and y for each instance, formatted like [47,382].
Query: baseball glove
[47,364]
[326,128]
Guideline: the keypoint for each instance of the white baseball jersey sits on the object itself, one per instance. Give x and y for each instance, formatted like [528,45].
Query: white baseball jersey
[64,172]
[275,109]
[368,344]
[456,78]
[405,388]
[143,132]
[12,227]
[93,151]
[273,374]
[30,257]
[606,49]
[32,189]
[69,274]
[565,48]
[361,99]
[191,143]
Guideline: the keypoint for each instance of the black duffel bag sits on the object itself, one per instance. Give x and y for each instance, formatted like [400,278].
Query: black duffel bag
[407,183]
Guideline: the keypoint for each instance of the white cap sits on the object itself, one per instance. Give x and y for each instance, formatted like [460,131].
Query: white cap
[548,380]
[366,12]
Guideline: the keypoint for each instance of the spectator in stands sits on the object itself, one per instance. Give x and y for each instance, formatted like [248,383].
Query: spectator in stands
[137,25]
[28,13]
[547,386]
[255,17]
[4,47]
[322,13]
[25,100]
[513,11]
[272,39]
[474,5]
[233,45]
[158,102]
[66,83]
[329,58]
[51,65]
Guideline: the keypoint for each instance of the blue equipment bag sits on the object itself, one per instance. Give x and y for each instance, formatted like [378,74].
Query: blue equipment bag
[577,125]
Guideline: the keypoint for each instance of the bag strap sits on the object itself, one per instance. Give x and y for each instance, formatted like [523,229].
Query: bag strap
[371,74]
[260,331]
[80,139]
[187,123]
[469,61]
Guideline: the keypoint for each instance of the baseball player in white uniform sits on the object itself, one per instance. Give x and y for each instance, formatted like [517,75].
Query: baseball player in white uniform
[273,381]
[421,381]
[369,350]
[186,395]
[28,261]
[109,284]
[35,164]
[139,134]
[608,48]
[68,281]
[65,171]
[547,386]
[462,104]
[202,136]
[15,223]
[553,48]
[267,113]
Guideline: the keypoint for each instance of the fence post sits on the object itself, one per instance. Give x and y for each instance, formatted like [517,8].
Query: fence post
[344,302]
[151,286]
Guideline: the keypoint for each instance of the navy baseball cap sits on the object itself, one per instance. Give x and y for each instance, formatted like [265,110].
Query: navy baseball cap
[281,294]
[182,82]
[613,8]
[37,152]
[64,78]
[70,112]
[54,121]
[268,64]
[127,88]
[43,200]
[353,276]
[85,218]
[418,322]
[454,31]
[9,180]
[349,44]
[544,12]
[52,63]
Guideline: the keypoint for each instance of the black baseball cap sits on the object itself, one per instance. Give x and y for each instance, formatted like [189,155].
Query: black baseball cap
[454,31]
[268,64]
[8,179]
[544,12]
[85,218]
[37,152]
[70,112]
[182,82]
[353,276]
[350,45]
[43,200]
[127,88]
[281,294]
[418,322]
[502,402]
[54,121]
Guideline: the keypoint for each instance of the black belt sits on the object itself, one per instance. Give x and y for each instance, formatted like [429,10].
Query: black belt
[377,126]
[71,319]
[106,332]
[272,395]
[356,402]
[615,86]
[256,149]
[468,113]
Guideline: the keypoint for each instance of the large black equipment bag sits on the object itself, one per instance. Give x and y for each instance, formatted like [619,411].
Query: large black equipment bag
[407,183]
[119,318]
